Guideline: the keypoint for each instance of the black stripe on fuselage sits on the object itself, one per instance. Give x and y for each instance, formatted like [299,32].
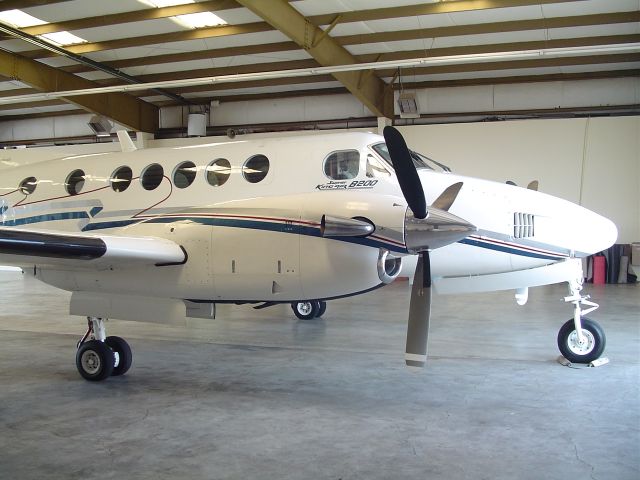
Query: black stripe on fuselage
[50,245]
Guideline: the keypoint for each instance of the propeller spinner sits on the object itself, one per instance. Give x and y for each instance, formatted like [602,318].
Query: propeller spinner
[426,228]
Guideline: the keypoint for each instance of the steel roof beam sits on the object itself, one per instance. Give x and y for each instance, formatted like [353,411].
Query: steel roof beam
[122,108]
[401,55]
[425,9]
[512,26]
[365,86]
[133,16]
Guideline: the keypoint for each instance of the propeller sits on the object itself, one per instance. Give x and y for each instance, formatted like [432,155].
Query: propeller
[426,228]
[406,172]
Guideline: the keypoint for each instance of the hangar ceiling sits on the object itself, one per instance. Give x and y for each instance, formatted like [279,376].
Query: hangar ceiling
[141,41]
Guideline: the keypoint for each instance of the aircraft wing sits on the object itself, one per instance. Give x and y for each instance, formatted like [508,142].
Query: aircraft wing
[22,247]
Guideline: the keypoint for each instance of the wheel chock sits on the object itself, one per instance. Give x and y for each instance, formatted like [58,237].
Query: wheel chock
[598,362]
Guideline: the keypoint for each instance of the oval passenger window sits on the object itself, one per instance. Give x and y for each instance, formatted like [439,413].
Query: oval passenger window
[152,176]
[75,182]
[256,168]
[218,172]
[121,179]
[184,174]
[28,185]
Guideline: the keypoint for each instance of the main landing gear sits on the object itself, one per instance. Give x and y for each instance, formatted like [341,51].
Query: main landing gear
[580,339]
[309,309]
[99,356]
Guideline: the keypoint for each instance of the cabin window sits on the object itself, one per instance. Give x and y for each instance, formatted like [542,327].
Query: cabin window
[342,165]
[152,176]
[255,169]
[184,174]
[121,179]
[375,168]
[28,185]
[218,172]
[75,182]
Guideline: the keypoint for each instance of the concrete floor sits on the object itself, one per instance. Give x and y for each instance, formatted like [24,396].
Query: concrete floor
[259,394]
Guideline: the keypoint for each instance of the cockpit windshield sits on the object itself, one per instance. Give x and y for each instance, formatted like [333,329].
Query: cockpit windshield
[419,160]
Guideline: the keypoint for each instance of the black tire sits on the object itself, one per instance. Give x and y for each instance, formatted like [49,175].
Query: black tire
[94,360]
[306,310]
[322,309]
[122,348]
[572,350]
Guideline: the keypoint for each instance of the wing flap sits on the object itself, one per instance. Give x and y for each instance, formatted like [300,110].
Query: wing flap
[27,247]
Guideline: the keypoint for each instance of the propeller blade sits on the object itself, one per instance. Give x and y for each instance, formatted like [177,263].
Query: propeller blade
[533,185]
[446,198]
[406,172]
[419,313]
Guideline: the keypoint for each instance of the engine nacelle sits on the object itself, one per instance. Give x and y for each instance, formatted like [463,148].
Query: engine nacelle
[345,227]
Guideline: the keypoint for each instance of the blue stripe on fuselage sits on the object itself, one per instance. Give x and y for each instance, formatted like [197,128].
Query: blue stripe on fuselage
[261,225]
[50,217]
[507,249]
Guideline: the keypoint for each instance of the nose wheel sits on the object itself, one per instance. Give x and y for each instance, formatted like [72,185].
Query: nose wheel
[98,356]
[581,340]
[581,350]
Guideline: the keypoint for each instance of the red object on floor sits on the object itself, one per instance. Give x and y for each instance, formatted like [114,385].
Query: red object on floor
[599,270]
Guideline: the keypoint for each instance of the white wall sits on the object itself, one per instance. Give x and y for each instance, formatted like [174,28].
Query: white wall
[595,162]
[604,92]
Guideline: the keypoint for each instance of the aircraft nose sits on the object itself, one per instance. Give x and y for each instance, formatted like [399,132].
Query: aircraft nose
[604,233]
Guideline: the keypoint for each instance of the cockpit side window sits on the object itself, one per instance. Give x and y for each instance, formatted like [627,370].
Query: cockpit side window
[342,165]
[419,160]
[376,168]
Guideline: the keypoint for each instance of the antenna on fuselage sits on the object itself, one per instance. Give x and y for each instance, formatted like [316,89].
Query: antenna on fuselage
[126,144]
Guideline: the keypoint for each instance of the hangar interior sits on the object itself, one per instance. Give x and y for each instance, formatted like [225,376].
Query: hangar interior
[511,90]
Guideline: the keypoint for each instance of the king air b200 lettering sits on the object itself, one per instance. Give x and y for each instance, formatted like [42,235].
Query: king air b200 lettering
[345,185]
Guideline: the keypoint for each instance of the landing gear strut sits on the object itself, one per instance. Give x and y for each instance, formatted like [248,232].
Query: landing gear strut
[581,340]
[99,356]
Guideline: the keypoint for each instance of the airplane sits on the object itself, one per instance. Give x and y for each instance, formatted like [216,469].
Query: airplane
[163,233]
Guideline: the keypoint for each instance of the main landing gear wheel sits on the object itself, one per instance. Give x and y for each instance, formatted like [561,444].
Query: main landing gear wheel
[589,349]
[99,356]
[123,356]
[306,310]
[95,360]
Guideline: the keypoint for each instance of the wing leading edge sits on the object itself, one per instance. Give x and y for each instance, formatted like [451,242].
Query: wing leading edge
[27,247]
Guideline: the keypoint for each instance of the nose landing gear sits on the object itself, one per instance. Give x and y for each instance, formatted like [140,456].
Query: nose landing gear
[98,356]
[581,340]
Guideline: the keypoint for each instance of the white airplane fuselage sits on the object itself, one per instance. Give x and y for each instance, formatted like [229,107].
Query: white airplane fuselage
[255,242]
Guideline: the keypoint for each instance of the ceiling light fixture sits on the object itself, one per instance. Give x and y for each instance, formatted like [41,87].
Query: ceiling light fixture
[199,20]
[62,38]
[165,3]
[19,19]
